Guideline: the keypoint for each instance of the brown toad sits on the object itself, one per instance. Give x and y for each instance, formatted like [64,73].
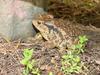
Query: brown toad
[60,33]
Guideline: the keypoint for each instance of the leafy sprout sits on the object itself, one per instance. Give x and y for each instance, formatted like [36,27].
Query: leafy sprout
[29,63]
[71,61]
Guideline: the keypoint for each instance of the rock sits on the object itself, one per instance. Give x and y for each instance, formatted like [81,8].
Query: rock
[16,19]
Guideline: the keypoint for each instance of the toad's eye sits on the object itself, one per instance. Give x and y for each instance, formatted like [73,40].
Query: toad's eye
[39,22]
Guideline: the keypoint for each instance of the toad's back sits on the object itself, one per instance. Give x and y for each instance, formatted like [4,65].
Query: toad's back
[73,29]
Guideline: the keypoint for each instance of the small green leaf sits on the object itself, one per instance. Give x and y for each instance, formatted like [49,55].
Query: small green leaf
[28,53]
[35,71]
[50,73]
[24,62]
[29,65]
[33,62]
[24,72]
[78,46]
[64,56]
[82,39]
[77,59]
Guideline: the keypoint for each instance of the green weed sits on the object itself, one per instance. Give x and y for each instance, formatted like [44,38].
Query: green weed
[71,62]
[50,73]
[29,63]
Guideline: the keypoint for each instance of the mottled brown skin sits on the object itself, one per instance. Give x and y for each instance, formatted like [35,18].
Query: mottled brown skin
[70,28]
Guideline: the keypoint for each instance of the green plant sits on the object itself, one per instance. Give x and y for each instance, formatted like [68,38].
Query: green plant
[28,63]
[71,61]
[79,47]
[50,73]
